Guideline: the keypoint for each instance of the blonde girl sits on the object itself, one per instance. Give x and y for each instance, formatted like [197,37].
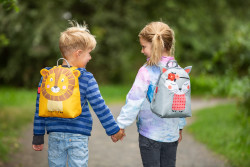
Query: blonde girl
[158,137]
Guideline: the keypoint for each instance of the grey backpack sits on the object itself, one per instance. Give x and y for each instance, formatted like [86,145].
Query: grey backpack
[172,95]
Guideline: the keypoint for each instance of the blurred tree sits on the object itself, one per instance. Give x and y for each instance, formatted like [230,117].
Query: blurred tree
[202,30]
[33,33]
[7,6]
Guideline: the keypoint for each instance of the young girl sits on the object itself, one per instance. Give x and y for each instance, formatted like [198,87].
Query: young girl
[158,137]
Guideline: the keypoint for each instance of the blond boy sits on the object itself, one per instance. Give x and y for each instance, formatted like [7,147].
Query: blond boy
[68,138]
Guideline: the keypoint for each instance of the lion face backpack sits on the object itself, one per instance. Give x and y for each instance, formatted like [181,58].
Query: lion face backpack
[59,92]
[172,95]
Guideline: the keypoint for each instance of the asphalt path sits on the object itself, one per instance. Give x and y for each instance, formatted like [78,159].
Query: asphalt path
[104,153]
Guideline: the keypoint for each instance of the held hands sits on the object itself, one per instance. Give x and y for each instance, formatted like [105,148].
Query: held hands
[37,147]
[118,136]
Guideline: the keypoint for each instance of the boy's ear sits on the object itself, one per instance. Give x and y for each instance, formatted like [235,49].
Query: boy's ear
[76,73]
[78,52]
[188,69]
[44,72]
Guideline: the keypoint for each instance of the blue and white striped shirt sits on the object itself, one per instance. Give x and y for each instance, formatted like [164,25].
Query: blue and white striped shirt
[82,124]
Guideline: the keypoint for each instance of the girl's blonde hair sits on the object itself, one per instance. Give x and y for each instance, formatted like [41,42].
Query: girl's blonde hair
[76,37]
[162,37]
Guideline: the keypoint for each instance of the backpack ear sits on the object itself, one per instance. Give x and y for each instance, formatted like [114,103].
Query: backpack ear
[44,72]
[163,70]
[188,69]
[76,73]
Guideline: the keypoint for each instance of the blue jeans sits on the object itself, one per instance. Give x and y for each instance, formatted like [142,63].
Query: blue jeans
[157,154]
[69,147]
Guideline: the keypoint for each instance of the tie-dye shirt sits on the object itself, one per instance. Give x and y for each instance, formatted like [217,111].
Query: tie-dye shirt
[138,106]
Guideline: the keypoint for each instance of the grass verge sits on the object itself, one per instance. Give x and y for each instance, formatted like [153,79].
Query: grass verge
[114,93]
[224,130]
[16,110]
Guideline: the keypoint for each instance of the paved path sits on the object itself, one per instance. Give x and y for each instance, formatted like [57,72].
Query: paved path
[125,153]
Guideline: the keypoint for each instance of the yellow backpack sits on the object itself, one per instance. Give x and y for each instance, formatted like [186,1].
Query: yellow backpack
[59,92]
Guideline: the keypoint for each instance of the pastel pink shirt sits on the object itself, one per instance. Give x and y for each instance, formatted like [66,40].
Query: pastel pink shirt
[138,106]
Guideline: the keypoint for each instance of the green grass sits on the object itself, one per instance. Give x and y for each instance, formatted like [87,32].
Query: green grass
[224,131]
[16,97]
[12,119]
[114,93]
[16,110]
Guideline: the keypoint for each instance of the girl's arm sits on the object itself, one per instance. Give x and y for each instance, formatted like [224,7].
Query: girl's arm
[134,99]
[182,123]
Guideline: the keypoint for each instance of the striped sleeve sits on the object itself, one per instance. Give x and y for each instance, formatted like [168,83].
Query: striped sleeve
[100,108]
[39,122]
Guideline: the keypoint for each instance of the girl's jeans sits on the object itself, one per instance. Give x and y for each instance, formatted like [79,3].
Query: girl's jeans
[157,154]
[69,147]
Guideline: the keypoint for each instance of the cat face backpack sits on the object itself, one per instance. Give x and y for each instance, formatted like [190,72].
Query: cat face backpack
[172,95]
[59,92]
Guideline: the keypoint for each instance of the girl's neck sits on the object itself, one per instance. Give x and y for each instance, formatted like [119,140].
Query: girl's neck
[165,54]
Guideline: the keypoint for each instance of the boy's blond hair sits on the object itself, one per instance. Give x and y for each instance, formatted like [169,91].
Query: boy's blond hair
[74,38]
[162,37]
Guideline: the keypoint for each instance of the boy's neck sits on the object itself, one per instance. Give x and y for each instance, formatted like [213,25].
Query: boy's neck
[71,65]
[65,63]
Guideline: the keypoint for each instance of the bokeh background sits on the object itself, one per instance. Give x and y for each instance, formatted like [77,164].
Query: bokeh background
[212,36]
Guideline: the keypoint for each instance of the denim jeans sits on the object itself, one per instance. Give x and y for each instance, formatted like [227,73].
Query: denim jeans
[157,154]
[69,147]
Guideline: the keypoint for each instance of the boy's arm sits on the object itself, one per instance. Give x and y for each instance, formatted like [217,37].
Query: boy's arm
[39,123]
[100,108]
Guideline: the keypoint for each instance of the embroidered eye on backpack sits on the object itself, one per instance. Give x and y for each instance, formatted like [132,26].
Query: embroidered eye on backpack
[59,92]
[172,95]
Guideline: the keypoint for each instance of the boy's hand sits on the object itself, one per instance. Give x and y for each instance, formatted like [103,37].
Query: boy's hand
[118,136]
[37,147]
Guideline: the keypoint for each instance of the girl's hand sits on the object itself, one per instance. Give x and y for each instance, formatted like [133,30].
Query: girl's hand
[37,147]
[180,136]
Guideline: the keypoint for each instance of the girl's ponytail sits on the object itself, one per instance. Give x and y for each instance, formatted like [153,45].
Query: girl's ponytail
[156,50]
[172,50]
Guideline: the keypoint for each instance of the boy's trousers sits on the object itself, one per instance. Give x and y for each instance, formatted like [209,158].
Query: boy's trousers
[69,147]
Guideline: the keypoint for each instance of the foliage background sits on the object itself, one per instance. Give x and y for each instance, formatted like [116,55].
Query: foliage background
[212,36]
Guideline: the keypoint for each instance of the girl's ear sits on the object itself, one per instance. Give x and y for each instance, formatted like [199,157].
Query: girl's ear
[188,69]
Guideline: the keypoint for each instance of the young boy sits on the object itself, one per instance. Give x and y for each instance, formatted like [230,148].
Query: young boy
[68,137]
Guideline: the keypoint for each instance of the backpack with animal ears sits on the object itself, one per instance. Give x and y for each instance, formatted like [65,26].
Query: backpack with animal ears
[172,95]
[59,92]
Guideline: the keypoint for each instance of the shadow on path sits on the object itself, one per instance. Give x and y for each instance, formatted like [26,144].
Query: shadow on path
[104,153]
